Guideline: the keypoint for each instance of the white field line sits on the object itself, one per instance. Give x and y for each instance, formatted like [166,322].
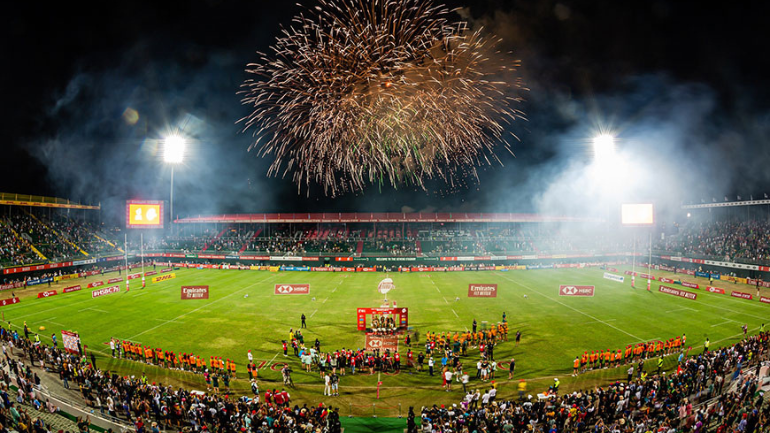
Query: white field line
[682,309]
[724,323]
[313,314]
[576,310]
[457,315]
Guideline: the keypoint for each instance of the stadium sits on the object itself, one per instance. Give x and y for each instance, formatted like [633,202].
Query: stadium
[385,241]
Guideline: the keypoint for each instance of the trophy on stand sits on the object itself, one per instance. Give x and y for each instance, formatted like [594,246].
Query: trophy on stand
[385,286]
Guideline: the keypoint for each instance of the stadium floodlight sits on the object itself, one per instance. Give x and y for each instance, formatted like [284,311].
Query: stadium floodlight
[173,154]
[604,146]
[173,149]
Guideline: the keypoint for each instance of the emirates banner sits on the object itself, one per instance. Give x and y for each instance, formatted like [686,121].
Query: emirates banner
[576,290]
[195,292]
[764,299]
[71,289]
[690,285]
[677,292]
[292,289]
[741,295]
[482,290]
[114,280]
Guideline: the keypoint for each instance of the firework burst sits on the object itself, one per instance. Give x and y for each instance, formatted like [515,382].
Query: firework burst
[379,91]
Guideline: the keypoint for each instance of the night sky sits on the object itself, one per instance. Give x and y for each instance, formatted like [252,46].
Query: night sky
[690,79]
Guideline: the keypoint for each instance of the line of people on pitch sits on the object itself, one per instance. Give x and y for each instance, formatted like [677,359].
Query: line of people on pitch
[599,359]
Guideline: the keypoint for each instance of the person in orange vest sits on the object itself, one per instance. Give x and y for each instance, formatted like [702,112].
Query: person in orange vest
[232,369]
[575,366]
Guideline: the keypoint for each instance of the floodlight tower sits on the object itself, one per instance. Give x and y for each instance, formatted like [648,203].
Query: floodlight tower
[604,147]
[173,154]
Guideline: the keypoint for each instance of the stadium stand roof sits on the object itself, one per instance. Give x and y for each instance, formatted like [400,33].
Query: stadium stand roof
[12,199]
[377,217]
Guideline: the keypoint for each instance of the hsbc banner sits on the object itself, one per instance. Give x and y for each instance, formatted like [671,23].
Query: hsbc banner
[105,291]
[10,301]
[382,342]
[114,280]
[576,290]
[690,285]
[614,277]
[677,292]
[666,280]
[95,284]
[134,276]
[715,290]
[741,295]
[292,289]
[46,294]
[482,290]
[195,292]
[71,289]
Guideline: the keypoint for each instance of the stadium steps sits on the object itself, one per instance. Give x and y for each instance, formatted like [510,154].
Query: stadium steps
[215,238]
[26,242]
[251,238]
[359,247]
[108,242]
[418,247]
[58,235]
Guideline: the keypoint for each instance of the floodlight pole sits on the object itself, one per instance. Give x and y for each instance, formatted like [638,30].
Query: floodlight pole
[172,195]
[633,265]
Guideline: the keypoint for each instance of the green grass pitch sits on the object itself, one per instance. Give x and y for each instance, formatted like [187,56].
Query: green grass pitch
[554,328]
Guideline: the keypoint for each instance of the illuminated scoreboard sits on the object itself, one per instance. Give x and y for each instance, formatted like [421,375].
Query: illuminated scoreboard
[144,214]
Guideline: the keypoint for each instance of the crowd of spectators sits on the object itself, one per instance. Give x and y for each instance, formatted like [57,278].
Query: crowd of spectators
[712,390]
[708,391]
[13,250]
[725,240]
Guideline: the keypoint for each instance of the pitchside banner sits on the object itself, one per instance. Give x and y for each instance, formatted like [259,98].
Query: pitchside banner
[195,292]
[614,277]
[482,290]
[46,294]
[292,289]
[105,291]
[576,290]
[677,292]
[715,290]
[741,295]
[71,289]
[163,277]
[10,301]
